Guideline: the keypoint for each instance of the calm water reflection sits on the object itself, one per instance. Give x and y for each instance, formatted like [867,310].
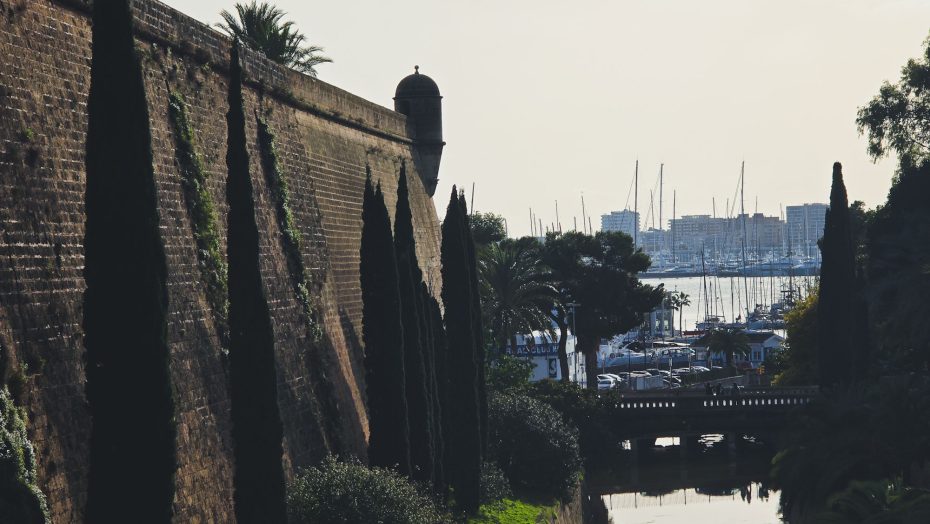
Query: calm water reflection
[713,480]
[752,504]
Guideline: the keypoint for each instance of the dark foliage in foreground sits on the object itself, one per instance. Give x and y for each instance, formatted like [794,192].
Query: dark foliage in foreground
[389,440]
[257,429]
[132,442]
[349,492]
[534,446]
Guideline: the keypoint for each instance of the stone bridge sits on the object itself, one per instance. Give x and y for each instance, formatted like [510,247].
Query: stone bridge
[639,415]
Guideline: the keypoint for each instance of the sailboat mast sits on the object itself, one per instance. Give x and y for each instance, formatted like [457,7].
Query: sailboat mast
[674,194]
[584,215]
[661,181]
[742,209]
[635,204]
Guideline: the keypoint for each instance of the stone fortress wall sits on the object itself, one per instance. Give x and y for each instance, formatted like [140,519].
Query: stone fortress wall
[325,137]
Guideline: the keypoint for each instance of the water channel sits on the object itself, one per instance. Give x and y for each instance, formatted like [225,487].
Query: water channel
[709,481]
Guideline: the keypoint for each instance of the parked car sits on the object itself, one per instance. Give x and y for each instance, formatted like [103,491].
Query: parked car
[660,372]
[605,384]
[671,383]
[699,369]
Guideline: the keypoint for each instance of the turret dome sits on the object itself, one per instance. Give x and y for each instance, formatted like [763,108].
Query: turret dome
[416,86]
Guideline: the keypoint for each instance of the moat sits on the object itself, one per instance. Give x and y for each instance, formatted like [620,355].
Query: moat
[712,482]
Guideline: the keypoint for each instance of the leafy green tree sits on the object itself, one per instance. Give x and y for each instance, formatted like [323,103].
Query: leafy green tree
[463,403]
[259,26]
[417,372]
[383,335]
[837,290]
[728,342]
[599,272]
[798,359]
[898,118]
[516,298]
[487,228]
[133,438]
[896,271]
[260,491]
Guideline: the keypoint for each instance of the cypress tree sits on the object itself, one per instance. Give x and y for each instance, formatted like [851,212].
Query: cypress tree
[835,310]
[132,443]
[464,467]
[480,349]
[383,336]
[432,354]
[257,431]
[419,409]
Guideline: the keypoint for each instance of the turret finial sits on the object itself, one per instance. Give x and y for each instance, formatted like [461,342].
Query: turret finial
[416,69]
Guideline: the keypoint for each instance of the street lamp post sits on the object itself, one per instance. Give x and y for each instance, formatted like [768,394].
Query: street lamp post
[573,305]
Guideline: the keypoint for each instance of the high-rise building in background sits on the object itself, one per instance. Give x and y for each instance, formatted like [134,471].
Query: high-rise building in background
[625,221]
[805,224]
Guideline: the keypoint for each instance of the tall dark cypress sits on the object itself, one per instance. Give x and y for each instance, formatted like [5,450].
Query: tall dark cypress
[440,359]
[432,353]
[480,349]
[463,409]
[257,431]
[835,310]
[419,408]
[132,443]
[383,335]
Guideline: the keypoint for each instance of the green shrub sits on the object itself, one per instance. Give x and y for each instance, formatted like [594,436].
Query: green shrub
[349,492]
[494,485]
[508,374]
[535,447]
[20,498]
[588,412]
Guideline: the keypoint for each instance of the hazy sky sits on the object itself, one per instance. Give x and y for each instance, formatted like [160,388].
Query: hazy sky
[545,100]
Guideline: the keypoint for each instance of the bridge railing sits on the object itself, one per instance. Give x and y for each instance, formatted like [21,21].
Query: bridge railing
[746,399]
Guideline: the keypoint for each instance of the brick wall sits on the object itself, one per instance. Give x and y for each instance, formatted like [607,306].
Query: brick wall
[325,138]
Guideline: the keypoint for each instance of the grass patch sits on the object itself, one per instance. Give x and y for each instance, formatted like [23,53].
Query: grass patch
[512,511]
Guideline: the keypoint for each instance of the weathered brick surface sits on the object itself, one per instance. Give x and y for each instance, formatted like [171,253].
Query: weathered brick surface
[45,69]
[325,138]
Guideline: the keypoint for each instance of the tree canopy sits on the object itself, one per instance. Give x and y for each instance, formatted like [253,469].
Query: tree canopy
[260,27]
[487,228]
[516,296]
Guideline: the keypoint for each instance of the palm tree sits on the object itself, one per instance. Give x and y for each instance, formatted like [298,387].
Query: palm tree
[678,301]
[259,26]
[515,293]
[729,342]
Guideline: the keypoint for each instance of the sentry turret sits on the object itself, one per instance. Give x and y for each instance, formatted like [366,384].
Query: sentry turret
[417,96]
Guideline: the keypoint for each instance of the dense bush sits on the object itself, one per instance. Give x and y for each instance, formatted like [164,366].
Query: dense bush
[494,485]
[588,412]
[534,446]
[508,374]
[20,498]
[349,492]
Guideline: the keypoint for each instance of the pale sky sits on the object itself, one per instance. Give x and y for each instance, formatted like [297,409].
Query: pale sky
[545,100]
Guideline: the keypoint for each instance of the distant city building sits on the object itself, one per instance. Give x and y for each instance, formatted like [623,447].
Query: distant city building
[720,237]
[625,221]
[653,240]
[805,227]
